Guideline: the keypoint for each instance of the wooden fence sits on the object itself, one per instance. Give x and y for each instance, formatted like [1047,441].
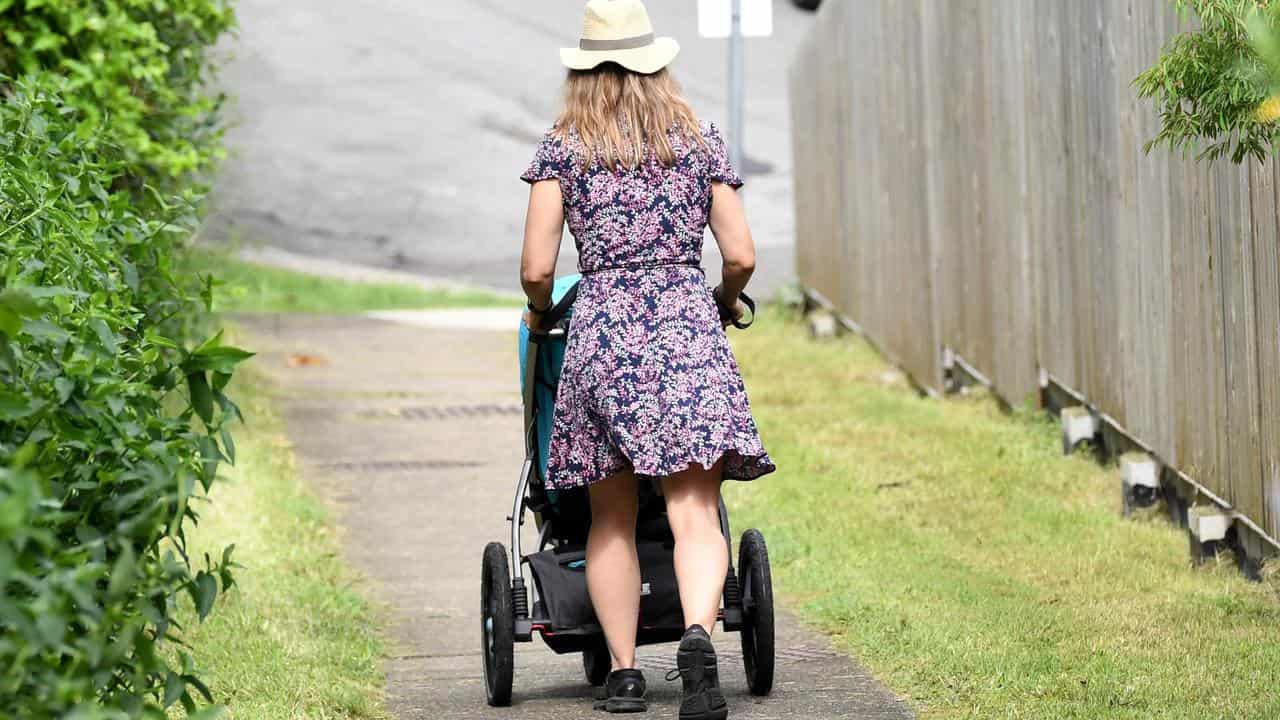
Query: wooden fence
[971,183]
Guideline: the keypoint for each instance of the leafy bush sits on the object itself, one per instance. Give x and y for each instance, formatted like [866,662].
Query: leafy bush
[1219,84]
[135,68]
[110,413]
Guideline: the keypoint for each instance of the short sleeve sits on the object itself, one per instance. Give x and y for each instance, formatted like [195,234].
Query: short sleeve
[550,161]
[719,167]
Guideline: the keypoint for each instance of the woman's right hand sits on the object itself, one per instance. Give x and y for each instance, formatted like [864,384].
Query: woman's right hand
[735,311]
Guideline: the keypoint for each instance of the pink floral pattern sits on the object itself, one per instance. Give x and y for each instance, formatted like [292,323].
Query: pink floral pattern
[649,380]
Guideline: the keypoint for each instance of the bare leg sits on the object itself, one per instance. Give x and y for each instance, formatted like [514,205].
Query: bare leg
[702,558]
[613,570]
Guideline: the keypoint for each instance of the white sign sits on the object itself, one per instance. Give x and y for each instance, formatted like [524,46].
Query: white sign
[715,18]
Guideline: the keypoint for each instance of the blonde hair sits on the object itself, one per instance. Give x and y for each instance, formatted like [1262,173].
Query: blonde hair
[617,114]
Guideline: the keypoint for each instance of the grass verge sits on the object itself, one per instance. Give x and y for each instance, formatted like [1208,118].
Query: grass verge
[251,288]
[293,638]
[952,548]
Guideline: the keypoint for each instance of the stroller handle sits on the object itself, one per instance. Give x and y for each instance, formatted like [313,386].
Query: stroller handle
[552,318]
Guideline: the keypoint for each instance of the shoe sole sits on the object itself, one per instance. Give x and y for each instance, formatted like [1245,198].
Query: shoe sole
[694,651]
[623,705]
[720,713]
[715,713]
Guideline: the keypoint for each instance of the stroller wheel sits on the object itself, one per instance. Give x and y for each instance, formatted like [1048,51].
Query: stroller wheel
[757,612]
[497,625]
[596,663]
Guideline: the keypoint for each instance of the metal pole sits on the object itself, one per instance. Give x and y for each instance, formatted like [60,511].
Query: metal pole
[736,88]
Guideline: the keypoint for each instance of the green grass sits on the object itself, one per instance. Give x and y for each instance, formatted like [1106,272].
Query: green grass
[292,639]
[951,548]
[251,288]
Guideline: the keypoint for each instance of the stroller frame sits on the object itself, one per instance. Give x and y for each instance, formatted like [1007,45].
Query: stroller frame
[508,617]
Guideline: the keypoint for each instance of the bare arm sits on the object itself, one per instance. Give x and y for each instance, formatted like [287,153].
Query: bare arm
[543,229]
[729,226]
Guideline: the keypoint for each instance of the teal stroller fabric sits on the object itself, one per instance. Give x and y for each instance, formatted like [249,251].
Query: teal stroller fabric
[547,377]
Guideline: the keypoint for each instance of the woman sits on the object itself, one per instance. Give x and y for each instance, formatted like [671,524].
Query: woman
[649,387]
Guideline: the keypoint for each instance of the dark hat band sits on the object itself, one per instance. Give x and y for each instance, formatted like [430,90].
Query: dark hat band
[630,43]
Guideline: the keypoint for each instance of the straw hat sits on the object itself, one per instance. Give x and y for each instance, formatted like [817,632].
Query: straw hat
[619,31]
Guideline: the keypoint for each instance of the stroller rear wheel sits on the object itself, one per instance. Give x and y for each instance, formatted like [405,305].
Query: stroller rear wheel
[596,663]
[757,612]
[497,625]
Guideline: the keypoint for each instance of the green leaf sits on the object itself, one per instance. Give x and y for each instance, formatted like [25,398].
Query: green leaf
[209,457]
[122,575]
[85,129]
[7,360]
[206,293]
[230,410]
[63,386]
[47,41]
[20,300]
[209,344]
[228,445]
[224,568]
[15,406]
[159,340]
[130,274]
[218,359]
[201,396]
[173,688]
[182,481]
[200,687]
[10,322]
[44,330]
[105,336]
[53,291]
[52,629]
[205,592]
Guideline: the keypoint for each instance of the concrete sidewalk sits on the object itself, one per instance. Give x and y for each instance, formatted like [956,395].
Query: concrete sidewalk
[413,433]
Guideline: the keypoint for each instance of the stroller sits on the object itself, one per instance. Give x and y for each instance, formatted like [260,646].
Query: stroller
[561,610]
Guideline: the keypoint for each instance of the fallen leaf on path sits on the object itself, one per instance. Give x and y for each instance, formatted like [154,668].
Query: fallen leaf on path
[302,360]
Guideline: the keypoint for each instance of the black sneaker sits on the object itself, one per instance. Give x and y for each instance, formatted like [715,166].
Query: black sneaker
[696,666]
[623,692]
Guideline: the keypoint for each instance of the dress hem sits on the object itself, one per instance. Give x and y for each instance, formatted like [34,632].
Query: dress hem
[739,466]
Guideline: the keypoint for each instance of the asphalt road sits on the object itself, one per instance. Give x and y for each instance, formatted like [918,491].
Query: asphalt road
[390,133]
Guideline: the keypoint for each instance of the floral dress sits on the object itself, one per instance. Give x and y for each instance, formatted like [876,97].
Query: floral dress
[649,380]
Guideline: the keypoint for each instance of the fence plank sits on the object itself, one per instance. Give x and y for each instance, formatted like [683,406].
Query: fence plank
[1266,258]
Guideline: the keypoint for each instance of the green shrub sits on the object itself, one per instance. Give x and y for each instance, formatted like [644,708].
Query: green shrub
[136,69]
[1217,85]
[111,410]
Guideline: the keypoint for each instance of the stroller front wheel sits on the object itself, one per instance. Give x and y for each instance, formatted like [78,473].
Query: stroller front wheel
[757,612]
[497,625]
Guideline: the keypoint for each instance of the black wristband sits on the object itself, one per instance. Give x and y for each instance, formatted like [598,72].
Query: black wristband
[533,309]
